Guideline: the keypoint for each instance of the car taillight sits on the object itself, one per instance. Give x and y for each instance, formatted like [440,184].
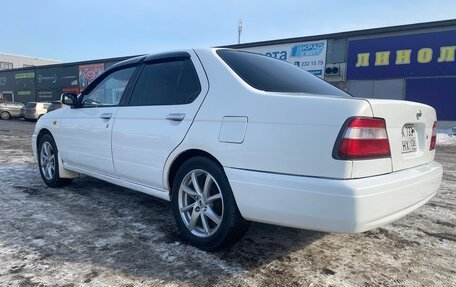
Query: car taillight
[434,136]
[363,138]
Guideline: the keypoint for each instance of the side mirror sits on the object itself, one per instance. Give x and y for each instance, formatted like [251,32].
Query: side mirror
[68,99]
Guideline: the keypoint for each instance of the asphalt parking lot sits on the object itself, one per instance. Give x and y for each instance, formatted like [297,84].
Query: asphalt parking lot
[96,234]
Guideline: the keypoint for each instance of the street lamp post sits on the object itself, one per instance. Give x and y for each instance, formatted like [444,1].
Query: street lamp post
[239,31]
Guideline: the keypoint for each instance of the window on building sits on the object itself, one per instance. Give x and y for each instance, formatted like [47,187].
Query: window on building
[6,65]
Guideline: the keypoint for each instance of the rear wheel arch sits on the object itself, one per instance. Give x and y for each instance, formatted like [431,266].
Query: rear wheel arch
[181,159]
[206,214]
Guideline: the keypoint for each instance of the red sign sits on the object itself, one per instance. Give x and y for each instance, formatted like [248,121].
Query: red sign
[88,73]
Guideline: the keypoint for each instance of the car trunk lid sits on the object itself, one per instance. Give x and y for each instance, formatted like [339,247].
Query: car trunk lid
[409,127]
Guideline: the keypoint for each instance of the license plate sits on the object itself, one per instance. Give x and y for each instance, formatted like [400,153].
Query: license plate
[408,139]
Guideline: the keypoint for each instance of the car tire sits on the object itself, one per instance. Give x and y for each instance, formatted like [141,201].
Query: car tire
[48,162]
[5,116]
[206,216]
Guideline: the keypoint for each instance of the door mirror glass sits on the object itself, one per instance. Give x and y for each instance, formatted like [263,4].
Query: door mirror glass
[68,99]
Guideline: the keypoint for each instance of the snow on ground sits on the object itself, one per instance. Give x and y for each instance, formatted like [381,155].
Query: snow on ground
[446,137]
[93,233]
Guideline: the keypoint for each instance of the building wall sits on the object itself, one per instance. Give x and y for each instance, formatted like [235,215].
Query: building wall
[46,83]
[22,61]
[400,81]
[315,54]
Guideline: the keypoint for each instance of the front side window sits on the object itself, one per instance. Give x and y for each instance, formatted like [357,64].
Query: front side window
[110,90]
[273,75]
[166,83]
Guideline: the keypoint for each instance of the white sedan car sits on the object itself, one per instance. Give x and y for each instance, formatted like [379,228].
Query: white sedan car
[231,137]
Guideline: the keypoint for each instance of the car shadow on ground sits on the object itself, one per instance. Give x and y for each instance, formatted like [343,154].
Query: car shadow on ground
[114,228]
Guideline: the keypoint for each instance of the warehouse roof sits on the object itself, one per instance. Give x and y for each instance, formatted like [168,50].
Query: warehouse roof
[383,30]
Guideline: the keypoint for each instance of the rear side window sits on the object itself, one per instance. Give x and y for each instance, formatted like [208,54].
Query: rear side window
[166,83]
[272,75]
[31,105]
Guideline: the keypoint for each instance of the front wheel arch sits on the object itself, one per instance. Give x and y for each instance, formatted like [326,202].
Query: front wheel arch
[42,132]
[50,157]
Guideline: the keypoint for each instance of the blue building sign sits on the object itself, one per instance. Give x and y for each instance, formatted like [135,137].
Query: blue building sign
[410,56]
[437,92]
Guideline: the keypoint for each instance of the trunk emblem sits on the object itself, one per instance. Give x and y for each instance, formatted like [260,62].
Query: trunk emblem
[419,114]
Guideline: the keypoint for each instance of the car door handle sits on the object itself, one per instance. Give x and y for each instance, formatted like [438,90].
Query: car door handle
[106,116]
[177,117]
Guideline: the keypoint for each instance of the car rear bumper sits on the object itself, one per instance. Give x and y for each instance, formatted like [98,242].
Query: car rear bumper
[31,116]
[333,205]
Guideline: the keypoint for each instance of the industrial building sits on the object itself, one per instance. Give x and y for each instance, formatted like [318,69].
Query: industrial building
[413,62]
[8,61]
[46,83]
[410,62]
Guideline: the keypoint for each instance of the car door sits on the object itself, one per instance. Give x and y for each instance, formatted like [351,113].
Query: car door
[162,106]
[84,133]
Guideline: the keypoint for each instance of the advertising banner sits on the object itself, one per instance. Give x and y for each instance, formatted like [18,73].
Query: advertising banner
[436,92]
[57,77]
[51,82]
[418,55]
[17,86]
[311,56]
[87,73]
[7,81]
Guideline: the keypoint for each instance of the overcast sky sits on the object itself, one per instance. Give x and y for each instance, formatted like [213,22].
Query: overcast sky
[92,29]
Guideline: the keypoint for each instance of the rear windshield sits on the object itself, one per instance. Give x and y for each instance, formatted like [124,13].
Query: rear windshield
[273,75]
[30,105]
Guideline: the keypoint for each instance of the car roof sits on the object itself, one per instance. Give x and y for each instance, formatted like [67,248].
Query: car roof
[152,57]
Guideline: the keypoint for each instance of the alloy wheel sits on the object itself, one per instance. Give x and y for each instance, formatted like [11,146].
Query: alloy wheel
[5,116]
[200,203]
[47,160]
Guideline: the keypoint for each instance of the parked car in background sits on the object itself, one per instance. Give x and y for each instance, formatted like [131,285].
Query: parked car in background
[230,137]
[10,110]
[34,110]
[55,105]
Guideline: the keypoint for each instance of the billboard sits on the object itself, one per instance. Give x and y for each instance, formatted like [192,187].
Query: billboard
[57,77]
[437,92]
[88,73]
[417,55]
[52,81]
[311,56]
[19,83]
